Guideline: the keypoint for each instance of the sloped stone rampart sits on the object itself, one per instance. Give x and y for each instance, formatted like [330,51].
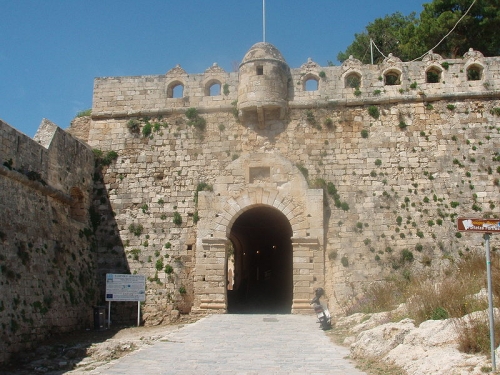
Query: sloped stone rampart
[46,261]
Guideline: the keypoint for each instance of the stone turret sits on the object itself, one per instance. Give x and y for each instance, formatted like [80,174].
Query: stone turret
[263,83]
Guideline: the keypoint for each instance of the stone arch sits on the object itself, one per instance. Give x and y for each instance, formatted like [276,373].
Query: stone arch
[213,87]
[310,82]
[175,89]
[262,261]
[253,183]
[433,74]
[474,72]
[77,206]
[352,79]
[392,77]
[291,212]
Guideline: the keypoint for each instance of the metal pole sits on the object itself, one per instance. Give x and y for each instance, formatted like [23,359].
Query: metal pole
[490,301]
[371,48]
[109,313]
[264,20]
[138,313]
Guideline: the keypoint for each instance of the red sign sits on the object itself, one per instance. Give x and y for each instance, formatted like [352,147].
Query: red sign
[467,224]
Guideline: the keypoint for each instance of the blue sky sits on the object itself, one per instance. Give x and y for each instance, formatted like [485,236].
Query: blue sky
[51,50]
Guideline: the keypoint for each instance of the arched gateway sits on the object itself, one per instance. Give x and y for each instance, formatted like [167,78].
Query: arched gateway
[260,239]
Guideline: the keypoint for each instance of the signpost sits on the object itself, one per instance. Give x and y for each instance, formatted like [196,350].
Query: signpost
[486,226]
[122,287]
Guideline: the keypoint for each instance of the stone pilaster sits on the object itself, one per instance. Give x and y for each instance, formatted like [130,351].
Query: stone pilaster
[210,276]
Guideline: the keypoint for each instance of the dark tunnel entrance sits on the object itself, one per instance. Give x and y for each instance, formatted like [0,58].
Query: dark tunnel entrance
[259,269]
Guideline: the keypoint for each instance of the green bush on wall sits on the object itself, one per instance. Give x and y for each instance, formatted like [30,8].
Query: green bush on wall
[373,111]
[177,218]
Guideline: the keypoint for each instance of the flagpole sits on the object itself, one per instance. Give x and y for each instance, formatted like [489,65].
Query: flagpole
[264,20]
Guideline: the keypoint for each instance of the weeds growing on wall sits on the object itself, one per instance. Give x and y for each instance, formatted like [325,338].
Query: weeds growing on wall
[177,220]
[147,129]
[169,269]
[195,119]
[311,120]
[202,186]
[84,113]
[134,126]
[329,123]
[102,159]
[373,111]
[136,229]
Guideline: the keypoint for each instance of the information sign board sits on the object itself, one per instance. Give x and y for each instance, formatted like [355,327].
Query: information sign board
[121,287]
[467,224]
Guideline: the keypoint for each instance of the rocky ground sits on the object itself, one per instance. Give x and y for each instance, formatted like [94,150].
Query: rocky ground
[386,347]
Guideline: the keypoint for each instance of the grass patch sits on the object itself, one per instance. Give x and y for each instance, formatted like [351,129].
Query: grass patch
[84,113]
[429,297]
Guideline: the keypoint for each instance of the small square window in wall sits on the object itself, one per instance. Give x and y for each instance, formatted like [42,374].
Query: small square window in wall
[259,174]
[260,70]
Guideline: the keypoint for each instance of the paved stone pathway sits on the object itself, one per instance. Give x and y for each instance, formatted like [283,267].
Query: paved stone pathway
[239,344]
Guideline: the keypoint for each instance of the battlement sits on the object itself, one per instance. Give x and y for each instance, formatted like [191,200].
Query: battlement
[352,83]
[54,155]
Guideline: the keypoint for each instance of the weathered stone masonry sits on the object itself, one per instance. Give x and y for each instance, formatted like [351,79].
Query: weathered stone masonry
[341,178]
[424,155]
[47,274]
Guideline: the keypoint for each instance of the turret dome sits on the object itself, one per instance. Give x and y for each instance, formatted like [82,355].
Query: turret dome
[263,51]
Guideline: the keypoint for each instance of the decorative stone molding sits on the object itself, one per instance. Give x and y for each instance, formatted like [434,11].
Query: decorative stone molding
[310,66]
[351,63]
[391,61]
[432,58]
[176,71]
[471,54]
[215,69]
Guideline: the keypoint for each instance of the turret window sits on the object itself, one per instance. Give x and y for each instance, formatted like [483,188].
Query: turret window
[260,70]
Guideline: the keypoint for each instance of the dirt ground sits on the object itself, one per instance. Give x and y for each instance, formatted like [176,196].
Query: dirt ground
[82,351]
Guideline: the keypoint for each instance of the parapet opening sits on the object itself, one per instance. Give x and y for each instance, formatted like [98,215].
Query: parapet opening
[352,80]
[77,206]
[213,88]
[311,83]
[175,90]
[474,72]
[433,75]
[392,78]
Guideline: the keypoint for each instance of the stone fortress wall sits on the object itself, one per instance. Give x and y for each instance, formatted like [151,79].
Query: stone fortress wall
[46,262]
[408,147]
[374,161]
[154,95]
